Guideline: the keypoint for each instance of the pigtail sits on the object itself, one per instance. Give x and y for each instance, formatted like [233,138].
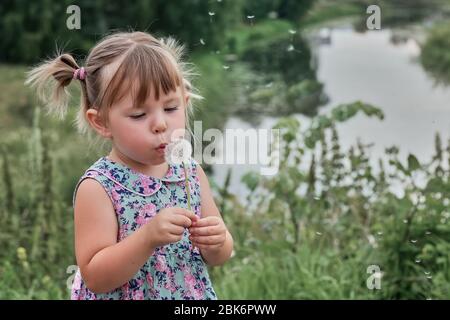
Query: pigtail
[50,79]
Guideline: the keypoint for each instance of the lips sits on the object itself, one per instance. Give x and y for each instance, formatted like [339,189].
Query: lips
[162,146]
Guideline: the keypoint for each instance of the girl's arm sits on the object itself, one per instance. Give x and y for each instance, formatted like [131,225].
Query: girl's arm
[213,256]
[105,264]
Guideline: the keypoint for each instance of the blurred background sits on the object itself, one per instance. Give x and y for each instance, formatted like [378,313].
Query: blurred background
[360,206]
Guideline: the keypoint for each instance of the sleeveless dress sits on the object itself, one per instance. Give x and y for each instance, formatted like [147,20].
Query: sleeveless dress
[175,271]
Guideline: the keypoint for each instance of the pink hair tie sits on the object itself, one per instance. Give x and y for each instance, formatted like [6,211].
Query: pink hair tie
[79,74]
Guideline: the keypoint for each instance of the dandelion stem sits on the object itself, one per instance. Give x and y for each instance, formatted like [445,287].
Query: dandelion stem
[186,181]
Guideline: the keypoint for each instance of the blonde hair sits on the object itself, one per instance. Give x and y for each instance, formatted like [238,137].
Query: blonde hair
[112,68]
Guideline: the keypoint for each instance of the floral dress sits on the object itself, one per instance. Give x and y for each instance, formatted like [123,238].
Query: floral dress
[174,271]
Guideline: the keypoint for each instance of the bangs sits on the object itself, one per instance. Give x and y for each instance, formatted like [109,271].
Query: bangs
[143,69]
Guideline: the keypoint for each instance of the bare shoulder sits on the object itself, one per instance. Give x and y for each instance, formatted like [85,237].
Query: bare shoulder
[91,194]
[201,173]
[208,206]
[204,182]
[96,224]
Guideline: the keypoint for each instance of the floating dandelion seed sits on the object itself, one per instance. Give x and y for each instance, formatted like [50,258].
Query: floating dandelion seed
[413,241]
[269,84]
[319,233]
[211,14]
[292,31]
[290,48]
[418,260]
[427,272]
[405,221]
[428,233]
[179,152]
[202,41]
[226,67]
[380,233]
[251,19]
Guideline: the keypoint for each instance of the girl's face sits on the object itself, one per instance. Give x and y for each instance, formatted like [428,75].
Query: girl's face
[138,133]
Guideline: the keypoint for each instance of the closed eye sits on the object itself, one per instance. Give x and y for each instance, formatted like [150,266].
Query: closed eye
[137,116]
[171,109]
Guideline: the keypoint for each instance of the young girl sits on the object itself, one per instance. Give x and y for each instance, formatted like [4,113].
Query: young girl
[134,237]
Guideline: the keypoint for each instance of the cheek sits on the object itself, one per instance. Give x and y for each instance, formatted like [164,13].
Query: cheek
[127,131]
[178,121]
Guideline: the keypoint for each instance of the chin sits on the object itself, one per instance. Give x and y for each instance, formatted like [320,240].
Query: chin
[157,159]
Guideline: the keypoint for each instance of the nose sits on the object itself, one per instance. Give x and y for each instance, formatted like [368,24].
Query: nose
[159,125]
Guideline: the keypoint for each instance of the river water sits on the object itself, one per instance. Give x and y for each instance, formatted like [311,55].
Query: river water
[378,67]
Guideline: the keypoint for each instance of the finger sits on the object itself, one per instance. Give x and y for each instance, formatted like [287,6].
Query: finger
[210,240]
[191,215]
[175,238]
[181,221]
[207,221]
[205,231]
[176,230]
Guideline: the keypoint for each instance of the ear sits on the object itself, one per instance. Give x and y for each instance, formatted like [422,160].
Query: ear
[186,99]
[93,117]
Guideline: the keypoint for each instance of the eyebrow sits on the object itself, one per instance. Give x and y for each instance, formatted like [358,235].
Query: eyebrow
[164,102]
[171,100]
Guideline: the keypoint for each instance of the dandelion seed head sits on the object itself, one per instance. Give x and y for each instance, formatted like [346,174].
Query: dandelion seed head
[178,151]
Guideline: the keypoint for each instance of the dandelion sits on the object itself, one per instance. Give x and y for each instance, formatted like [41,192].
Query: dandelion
[179,152]
[22,253]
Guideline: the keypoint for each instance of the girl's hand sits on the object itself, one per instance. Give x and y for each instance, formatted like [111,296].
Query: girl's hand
[208,233]
[168,225]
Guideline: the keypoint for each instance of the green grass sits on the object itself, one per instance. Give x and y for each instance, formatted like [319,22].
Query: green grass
[311,273]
